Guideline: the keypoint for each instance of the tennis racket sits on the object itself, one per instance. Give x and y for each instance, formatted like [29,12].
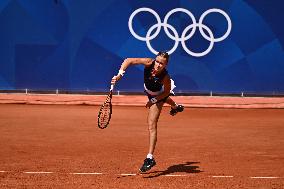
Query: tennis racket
[105,111]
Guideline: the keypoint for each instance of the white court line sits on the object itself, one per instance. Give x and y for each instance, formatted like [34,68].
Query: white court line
[175,175]
[133,174]
[264,177]
[41,172]
[86,173]
[222,176]
[127,174]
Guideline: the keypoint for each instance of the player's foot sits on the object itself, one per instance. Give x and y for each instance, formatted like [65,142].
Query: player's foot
[148,164]
[174,111]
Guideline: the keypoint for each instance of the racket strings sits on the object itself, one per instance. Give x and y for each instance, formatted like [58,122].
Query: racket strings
[104,116]
[105,112]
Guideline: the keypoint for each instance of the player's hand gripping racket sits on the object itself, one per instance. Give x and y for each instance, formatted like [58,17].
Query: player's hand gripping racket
[105,111]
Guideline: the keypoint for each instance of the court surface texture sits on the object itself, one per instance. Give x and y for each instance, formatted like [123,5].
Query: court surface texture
[60,146]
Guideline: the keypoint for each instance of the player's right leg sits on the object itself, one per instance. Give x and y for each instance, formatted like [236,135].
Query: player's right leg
[175,108]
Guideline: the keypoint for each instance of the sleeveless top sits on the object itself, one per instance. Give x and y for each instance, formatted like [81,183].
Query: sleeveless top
[153,83]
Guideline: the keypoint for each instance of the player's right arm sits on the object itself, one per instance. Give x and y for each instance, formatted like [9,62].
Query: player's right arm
[128,62]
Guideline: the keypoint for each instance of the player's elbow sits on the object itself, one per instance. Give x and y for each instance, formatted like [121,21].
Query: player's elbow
[128,60]
[125,64]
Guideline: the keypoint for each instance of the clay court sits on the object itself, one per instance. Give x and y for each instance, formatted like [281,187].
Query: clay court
[222,61]
[60,146]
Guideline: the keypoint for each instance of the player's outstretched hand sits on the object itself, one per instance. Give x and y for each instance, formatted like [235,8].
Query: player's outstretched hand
[115,79]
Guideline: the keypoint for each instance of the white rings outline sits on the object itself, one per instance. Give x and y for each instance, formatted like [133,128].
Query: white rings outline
[159,26]
[183,37]
[144,9]
[186,12]
[210,45]
[229,22]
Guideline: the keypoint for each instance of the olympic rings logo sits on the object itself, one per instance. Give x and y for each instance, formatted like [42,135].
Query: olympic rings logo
[184,37]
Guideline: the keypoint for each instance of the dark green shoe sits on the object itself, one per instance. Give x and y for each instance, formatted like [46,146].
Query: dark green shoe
[179,108]
[148,164]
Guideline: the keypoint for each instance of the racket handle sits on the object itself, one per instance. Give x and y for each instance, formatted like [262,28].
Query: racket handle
[111,87]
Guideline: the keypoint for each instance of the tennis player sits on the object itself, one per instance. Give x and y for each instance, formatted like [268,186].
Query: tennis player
[159,87]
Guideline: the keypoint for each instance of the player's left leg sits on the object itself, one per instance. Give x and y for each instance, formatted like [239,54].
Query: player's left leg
[153,117]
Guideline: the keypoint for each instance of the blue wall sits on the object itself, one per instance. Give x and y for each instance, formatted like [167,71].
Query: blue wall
[80,44]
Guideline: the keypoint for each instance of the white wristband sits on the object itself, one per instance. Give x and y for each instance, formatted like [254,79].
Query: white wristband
[153,100]
[121,72]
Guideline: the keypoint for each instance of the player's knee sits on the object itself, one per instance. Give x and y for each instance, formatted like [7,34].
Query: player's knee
[152,130]
[152,122]
[152,126]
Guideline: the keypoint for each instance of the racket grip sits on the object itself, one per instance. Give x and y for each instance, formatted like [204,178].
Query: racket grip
[111,87]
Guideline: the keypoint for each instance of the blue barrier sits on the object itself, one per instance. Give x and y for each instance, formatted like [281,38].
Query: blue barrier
[230,46]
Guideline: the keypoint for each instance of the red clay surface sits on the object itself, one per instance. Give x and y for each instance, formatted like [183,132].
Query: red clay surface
[195,146]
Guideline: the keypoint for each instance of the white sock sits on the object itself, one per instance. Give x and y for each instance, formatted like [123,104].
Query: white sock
[150,156]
